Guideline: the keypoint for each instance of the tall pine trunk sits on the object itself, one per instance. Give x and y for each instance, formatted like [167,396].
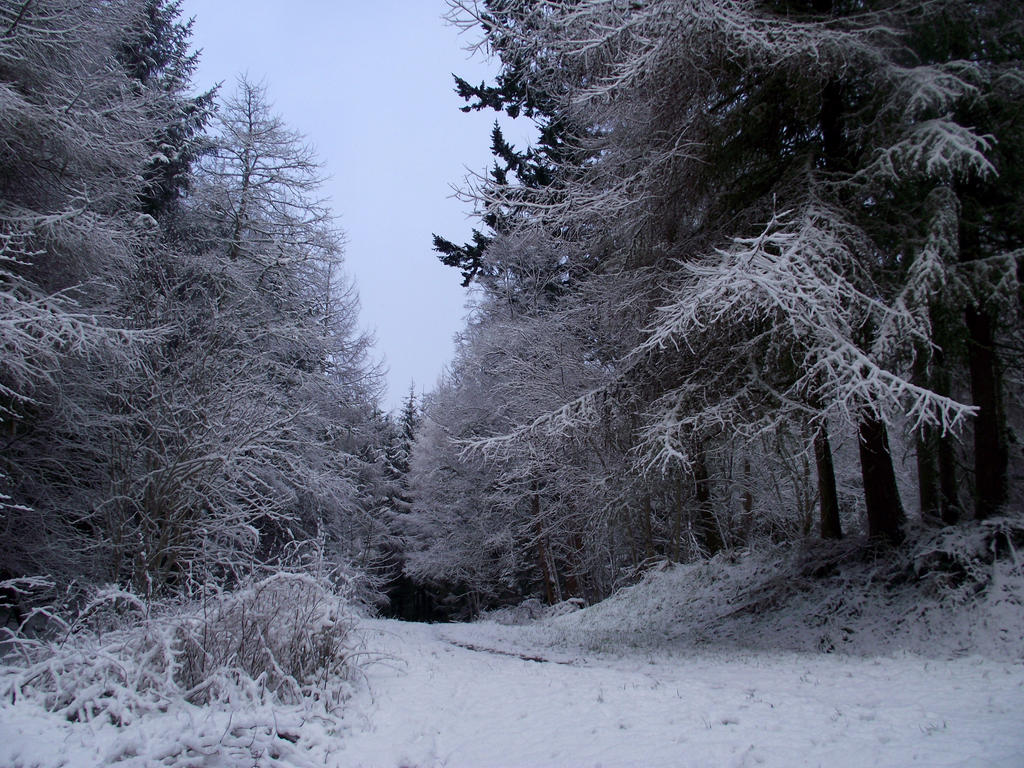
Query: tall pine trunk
[828,497]
[991,455]
[936,462]
[747,501]
[936,476]
[707,525]
[881,495]
[926,449]
[542,555]
[831,121]
[947,481]
[573,587]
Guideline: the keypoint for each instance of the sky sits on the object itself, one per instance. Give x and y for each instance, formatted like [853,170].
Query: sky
[370,86]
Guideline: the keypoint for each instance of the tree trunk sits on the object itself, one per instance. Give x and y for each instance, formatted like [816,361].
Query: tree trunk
[828,497]
[627,519]
[677,525]
[991,455]
[881,496]
[926,447]
[950,502]
[707,525]
[572,580]
[942,458]
[648,528]
[542,555]
[926,450]
[747,500]
[936,477]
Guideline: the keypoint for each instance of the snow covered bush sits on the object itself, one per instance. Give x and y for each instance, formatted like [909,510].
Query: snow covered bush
[945,593]
[962,563]
[289,635]
[269,655]
[284,638]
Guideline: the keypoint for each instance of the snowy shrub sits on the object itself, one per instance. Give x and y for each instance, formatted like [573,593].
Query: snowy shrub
[269,655]
[525,612]
[946,592]
[287,634]
[963,561]
[532,609]
[286,638]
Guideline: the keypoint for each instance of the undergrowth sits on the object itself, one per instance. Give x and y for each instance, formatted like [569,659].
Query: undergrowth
[943,593]
[246,670]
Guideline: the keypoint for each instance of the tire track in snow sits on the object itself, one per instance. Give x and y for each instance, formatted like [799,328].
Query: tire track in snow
[513,654]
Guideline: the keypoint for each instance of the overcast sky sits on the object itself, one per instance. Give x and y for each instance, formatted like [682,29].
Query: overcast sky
[369,84]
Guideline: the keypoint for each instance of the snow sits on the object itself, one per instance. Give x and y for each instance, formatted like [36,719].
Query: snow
[211,737]
[756,659]
[464,695]
[458,695]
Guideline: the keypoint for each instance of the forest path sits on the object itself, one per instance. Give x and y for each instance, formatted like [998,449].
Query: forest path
[482,695]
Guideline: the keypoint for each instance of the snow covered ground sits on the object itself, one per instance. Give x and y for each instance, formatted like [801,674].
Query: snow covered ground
[765,659]
[493,695]
[459,695]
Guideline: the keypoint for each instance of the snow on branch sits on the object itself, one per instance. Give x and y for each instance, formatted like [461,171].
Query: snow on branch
[939,148]
[37,327]
[623,45]
[933,88]
[927,277]
[793,269]
[795,277]
[580,413]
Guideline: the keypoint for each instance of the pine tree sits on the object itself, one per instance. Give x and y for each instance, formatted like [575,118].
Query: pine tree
[792,210]
[77,135]
[159,56]
[184,390]
[515,94]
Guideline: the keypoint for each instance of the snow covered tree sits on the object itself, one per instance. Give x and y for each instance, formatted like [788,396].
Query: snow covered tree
[182,396]
[253,401]
[783,172]
[159,56]
[76,135]
[459,545]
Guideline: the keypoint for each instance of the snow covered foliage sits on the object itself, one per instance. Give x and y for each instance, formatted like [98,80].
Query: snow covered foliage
[74,132]
[186,402]
[459,536]
[246,667]
[947,593]
[771,249]
[496,493]
[791,280]
[185,390]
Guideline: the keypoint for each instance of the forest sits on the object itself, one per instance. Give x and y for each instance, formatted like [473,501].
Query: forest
[745,332]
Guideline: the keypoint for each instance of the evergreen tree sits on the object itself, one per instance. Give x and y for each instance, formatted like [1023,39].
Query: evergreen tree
[516,94]
[76,139]
[184,389]
[159,56]
[773,211]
